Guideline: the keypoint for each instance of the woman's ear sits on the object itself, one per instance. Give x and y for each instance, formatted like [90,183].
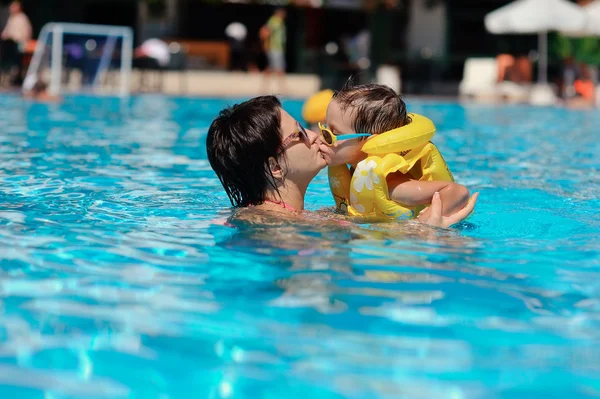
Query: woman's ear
[275,168]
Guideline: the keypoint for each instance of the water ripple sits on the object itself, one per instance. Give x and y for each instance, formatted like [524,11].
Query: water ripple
[121,276]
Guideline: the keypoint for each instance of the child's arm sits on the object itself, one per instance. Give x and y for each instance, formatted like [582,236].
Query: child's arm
[410,192]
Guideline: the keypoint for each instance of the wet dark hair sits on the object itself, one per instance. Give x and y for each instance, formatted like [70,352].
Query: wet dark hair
[239,144]
[376,108]
[39,87]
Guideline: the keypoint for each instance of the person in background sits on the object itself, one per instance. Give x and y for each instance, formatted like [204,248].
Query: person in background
[514,69]
[14,38]
[586,78]
[579,77]
[236,32]
[39,92]
[273,35]
[152,55]
[584,89]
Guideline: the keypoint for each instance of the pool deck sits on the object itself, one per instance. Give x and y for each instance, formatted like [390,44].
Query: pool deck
[204,84]
[235,84]
[224,84]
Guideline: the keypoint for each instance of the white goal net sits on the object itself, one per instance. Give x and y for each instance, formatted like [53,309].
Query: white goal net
[71,58]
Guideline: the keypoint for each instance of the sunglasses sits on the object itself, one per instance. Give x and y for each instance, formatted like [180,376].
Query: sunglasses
[330,138]
[299,132]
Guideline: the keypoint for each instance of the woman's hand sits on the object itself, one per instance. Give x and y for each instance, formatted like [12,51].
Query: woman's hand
[434,216]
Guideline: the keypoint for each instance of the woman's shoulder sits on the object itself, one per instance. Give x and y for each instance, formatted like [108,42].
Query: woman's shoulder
[257,215]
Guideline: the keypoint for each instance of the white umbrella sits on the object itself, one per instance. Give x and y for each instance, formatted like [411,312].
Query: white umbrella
[592,24]
[537,16]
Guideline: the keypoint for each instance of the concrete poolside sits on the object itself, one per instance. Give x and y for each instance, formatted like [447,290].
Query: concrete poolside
[196,83]
[233,84]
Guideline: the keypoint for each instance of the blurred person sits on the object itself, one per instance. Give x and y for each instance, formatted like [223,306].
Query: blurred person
[584,89]
[514,69]
[39,92]
[273,35]
[504,63]
[153,54]
[579,77]
[585,83]
[13,42]
[237,32]
[524,68]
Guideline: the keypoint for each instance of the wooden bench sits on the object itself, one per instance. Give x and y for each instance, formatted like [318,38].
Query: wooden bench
[215,53]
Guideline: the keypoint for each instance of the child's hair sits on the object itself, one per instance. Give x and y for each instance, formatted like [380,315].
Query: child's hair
[375,108]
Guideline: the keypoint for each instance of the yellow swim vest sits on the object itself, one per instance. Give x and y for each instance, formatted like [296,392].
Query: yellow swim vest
[407,150]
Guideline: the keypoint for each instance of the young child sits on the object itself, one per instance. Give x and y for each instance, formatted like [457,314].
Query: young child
[376,109]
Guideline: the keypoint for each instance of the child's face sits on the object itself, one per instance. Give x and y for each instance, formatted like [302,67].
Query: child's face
[340,123]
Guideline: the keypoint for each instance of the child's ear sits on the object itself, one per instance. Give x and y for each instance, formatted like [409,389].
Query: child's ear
[275,169]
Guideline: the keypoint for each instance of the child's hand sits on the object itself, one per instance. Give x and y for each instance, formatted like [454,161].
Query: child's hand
[433,215]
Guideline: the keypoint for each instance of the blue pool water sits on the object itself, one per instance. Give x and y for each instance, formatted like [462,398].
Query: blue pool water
[116,282]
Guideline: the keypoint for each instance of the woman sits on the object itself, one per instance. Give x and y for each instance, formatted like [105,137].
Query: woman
[265,159]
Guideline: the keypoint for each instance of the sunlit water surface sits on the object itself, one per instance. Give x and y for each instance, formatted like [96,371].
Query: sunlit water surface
[118,280]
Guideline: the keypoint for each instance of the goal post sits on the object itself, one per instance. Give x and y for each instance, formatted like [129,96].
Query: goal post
[94,47]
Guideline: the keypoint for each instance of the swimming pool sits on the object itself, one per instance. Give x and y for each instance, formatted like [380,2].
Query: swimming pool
[115,282]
